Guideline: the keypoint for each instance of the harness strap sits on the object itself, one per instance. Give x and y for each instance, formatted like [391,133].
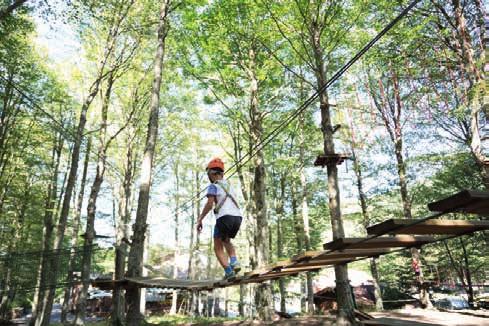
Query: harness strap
[228,195]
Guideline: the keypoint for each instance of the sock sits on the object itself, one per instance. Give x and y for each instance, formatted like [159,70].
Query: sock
[233,260]
[228,269]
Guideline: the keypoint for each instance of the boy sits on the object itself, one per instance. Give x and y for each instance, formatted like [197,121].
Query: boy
[228,217]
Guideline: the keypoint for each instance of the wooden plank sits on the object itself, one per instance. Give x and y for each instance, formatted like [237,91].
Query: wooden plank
[312,262]
[351,253]
[305,255]
[272,276]
[434,226]
[309,267]
[381,242]
[108,284]
[468,201]
[320,262]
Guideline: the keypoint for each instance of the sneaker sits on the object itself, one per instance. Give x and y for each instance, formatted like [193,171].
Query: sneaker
[236,267]
[230,275]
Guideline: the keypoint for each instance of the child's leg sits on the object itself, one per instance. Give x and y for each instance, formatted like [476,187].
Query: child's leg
[229,247]
[233,260]
[220,254]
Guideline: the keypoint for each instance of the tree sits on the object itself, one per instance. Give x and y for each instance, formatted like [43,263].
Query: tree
[135,263]
[312,33]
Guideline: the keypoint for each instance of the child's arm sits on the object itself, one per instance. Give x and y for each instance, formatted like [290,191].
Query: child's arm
[207,208]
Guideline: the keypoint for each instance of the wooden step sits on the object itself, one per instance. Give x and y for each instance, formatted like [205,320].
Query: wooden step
[381,242]
[467,201]
[435,226]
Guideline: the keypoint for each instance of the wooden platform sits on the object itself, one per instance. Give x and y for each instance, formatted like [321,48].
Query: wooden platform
[466,201]
[325,159]
[378,243]
[435,226]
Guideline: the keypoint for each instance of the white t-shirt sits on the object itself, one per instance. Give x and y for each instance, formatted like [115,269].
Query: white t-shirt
[228,207]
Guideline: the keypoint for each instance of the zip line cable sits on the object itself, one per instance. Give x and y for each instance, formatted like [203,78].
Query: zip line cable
[269,137]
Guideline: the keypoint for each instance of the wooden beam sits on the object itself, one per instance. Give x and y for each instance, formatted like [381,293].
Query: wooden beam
[305,255]
[467,201]
[381,242]
[319,262]
[108,284]
[435,226]
[352,253]
[337,158]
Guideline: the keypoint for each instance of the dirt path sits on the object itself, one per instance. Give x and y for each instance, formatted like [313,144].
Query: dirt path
[464,318]
[431,317]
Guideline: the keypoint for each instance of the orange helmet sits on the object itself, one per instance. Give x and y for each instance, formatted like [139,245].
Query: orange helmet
[215,163]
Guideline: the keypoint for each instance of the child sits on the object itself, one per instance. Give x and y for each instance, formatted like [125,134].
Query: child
[228,217]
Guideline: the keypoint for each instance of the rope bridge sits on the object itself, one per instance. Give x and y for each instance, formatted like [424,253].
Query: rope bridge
[383,238]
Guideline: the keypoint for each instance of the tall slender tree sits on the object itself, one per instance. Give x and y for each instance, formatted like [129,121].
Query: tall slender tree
[135,263]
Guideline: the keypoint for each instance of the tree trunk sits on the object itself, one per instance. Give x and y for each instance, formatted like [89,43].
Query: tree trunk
[305,211]
[173,309]
[343,290]
[470,288]
[379,304]
[135,263]
[298,228]
[122,235]
[357,168]
[192,232]
[241,305]
[194,245]
[391,114]
[299,238]
[279,207]
[263,295]
[74,235]
[92,207]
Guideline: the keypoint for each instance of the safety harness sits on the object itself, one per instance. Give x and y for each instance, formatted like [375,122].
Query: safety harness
[228,195]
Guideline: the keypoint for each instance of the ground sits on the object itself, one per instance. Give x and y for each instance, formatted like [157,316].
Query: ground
[422,317]
[462,318]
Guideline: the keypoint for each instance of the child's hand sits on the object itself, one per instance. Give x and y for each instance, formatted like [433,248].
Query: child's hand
[199,226]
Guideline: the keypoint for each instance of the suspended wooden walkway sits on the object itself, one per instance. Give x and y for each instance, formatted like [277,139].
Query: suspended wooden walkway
[401,234]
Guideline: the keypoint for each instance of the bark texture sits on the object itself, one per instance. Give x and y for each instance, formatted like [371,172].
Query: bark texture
[263,295]
[74,235]
[344,295]
[135,263]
